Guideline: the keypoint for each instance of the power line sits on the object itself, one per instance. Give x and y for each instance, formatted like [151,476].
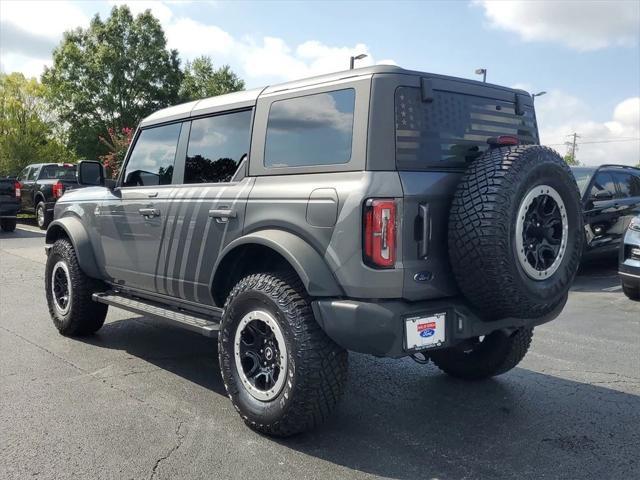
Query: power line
[596,141]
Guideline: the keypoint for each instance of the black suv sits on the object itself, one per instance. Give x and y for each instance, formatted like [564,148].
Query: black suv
[610,199]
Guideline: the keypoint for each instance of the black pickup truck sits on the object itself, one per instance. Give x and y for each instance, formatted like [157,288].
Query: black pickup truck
[9,203]
[42,185]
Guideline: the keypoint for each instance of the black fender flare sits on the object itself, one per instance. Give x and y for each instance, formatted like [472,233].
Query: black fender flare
[303,258]
[73,229]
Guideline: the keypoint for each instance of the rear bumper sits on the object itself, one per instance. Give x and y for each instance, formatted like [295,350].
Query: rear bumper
[378,327]
[9,210]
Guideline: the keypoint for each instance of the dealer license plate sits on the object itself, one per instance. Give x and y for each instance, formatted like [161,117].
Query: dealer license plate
[425,331]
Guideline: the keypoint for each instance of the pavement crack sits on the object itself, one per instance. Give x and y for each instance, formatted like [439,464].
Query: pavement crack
[179,439]
[44,349]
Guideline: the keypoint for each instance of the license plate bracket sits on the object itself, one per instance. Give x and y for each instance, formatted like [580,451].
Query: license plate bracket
[425,331]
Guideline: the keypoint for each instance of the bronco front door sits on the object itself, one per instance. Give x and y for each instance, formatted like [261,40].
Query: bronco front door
[133,217]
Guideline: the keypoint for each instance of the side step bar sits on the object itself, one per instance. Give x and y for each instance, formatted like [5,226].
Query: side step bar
[189,321]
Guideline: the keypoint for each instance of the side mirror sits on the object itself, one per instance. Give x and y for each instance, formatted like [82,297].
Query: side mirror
[603,195]
[90,173]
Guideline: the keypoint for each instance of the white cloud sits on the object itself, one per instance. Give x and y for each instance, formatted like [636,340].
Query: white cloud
[33,29]
[193,38]
[30,30]
[582,26]
[613,141]
[44,18]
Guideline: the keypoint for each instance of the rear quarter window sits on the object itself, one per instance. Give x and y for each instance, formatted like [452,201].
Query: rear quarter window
[311,130]
[453,128]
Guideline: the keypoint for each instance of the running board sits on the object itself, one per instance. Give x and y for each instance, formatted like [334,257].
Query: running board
[189,321]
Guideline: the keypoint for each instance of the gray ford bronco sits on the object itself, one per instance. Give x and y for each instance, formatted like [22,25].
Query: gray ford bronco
[378,210]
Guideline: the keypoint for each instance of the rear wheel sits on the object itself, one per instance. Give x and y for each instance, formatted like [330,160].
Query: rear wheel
[8,224]
[280,370]
[69,293]
[515,232]
[43,218]
[484,357]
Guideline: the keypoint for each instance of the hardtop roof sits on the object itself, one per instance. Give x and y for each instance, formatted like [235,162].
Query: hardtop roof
[248,98]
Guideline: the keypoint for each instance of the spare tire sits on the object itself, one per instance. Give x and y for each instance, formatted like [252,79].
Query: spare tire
[515,232]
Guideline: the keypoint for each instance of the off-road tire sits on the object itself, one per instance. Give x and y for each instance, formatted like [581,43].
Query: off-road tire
[482,232]
[632,293]
[498,353]
[316,366]
[84,316]
[43,218]
[8,224]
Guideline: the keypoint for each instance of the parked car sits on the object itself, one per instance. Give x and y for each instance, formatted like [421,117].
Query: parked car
[610,199]
[378,210]
[630,260]
[9,203]
[42,185]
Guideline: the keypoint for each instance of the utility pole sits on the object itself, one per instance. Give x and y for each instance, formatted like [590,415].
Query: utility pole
[572,145]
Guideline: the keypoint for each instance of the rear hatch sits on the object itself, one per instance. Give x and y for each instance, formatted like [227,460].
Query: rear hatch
[441,126]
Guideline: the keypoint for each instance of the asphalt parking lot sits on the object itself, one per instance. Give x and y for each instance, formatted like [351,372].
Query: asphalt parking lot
[143,399]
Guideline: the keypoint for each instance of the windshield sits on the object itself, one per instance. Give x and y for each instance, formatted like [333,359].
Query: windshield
[582,176]
[58,172]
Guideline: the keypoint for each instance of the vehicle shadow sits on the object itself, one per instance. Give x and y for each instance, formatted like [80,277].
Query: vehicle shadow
[184,353]
[598,275]
[402,420]
[21,234]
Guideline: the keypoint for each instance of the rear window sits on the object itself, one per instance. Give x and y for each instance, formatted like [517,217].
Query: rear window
[453,128]
[58,172]
[216,146]
[311,130]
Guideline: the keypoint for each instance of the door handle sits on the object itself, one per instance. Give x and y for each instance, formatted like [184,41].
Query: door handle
[149,212]
[152,194]
[222,214]
[425,230]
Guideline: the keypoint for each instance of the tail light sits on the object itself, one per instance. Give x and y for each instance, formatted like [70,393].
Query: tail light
[17,186]
[58,189]
[380,233]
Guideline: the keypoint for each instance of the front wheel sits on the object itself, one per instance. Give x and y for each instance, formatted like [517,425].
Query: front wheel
[484,357]
[632,293]
[280,370]
[69,293]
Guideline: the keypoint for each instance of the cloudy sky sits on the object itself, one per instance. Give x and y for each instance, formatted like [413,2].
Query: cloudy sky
[585,54]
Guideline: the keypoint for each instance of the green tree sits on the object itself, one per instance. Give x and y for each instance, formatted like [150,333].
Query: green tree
[571,160]
[201,80]
[111,75]
[27,133]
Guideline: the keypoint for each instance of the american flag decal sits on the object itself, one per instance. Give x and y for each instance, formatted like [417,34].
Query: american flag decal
[454,127]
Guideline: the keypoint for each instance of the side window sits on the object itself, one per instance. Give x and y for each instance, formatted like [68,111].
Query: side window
[151,161]
[33,174]
[311,130]
[24,174]
[216,146]
[626,184]
[603,184]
